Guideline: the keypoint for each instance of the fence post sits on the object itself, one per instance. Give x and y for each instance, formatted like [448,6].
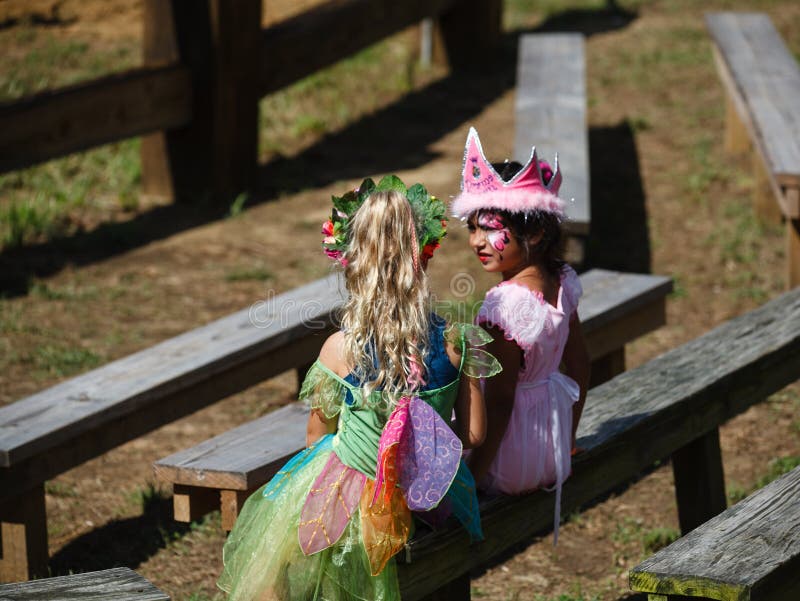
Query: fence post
[214,158]
[468,31]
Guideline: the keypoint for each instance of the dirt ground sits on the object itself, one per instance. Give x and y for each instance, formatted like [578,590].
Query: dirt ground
[665,199]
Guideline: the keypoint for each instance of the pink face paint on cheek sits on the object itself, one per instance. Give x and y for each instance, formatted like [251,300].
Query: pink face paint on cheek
[496,231]
[497,239]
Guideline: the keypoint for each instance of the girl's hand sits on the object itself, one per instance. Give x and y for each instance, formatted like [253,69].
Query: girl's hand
[499,392]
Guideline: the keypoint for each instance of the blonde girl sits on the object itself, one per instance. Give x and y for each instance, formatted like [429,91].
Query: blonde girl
[381,394]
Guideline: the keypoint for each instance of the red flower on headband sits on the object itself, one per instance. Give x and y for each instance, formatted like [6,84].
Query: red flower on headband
[327,228]
[427,250]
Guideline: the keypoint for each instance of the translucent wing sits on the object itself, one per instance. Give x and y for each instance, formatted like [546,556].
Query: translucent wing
[427,457]
[329,505]
[385,526]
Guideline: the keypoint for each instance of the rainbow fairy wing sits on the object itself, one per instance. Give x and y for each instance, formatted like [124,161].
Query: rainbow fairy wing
[428,457]
[330,504]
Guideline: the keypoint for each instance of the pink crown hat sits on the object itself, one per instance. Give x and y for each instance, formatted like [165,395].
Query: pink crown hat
[483,188]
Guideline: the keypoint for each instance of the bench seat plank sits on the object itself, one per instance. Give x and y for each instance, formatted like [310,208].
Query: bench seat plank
[749,552]
[117,584]
[641,416]
[551,115]
[763,79]
[140,381]
[242,458]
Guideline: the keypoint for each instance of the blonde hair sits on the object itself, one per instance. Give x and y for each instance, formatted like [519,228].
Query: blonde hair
[387,314]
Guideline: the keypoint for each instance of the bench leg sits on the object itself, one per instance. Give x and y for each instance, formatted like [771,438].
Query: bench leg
[190,503]
[699,481]
[793,253]
[23,530]
[455,590]
[737,138]
[767,207]
[606,367]
[232,501]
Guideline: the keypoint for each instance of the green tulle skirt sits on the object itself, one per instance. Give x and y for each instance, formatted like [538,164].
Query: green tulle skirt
[263,560]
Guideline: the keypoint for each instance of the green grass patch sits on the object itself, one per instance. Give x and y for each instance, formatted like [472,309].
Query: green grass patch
[68,293]
[249,274]
[40,61]
[52,199]
[58,360]
[777,468]
[658,538]
[60,489]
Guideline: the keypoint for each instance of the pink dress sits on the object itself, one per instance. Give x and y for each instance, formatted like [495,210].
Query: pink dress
[535,450]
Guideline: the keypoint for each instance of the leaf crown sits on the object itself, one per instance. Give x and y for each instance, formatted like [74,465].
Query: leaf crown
[430,216]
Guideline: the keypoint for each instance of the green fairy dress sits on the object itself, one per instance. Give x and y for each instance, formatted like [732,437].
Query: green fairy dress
[328,524]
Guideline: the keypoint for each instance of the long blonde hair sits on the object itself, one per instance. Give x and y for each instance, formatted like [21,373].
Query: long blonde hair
[387,314]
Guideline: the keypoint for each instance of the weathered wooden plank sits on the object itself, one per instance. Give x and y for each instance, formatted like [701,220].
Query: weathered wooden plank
[159,46]
[551,115]
[609,295]
[117,584]
[129,385]
[764,78]
[55,123]
[241,458]
[331,31]
[751,551]
[640,416]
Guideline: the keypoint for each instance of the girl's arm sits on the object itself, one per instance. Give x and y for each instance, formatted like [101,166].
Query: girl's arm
[470,413]
[318,426]
[330,356]
[470,408]
[499,392]
[576,366]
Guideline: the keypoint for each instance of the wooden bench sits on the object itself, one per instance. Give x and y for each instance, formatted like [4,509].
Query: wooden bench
[762,84]
[59,428]
[669,407]
[223,471]
[551,115]
[56,429]
[117,584]
[751,552]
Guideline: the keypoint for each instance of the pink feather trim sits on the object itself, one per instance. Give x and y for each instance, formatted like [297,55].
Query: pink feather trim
[514,201]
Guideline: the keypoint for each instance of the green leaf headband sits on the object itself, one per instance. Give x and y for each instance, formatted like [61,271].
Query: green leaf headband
[429,212]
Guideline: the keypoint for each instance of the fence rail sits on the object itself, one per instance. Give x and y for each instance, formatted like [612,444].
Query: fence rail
[206,66]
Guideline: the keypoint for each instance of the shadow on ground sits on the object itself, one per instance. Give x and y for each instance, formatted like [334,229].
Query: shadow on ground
[619,237]
[392,139]
[128,542]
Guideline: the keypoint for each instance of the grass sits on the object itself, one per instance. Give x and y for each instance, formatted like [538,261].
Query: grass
[252,274]
[56,360]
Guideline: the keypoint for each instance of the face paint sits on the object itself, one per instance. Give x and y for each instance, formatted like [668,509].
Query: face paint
[496,231]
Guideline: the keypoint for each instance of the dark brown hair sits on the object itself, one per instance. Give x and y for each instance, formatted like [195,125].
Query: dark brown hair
[525,226]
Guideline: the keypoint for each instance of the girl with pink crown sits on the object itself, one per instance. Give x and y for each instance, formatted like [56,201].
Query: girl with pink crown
[380,440]
[533,409]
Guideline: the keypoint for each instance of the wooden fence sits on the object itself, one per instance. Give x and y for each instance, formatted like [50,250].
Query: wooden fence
[206,65]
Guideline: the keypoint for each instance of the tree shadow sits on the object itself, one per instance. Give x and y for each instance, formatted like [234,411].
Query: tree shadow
[392,139]
[128,542]
[618,238]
